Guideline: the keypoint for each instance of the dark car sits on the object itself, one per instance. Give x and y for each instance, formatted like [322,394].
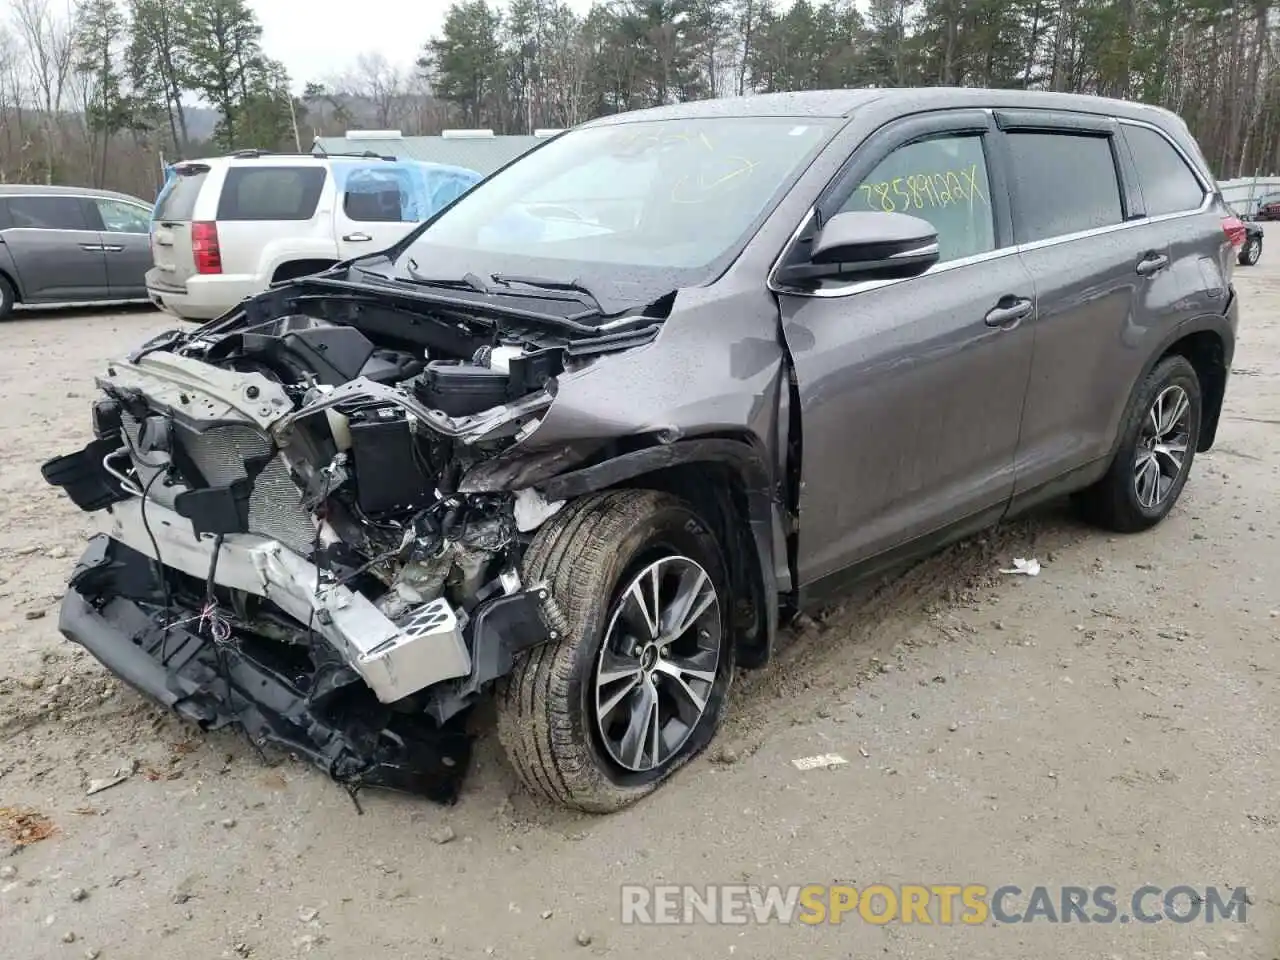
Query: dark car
[587,437]
[1251,247]
[71,245]
[1268,208]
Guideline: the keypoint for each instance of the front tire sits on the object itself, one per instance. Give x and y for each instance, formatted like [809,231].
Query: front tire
[1158,442]
[1251,253]
[599,717]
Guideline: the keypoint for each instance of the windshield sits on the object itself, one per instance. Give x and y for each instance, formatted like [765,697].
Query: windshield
[658,204]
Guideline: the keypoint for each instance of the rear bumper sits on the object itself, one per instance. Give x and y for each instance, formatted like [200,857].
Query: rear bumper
[310,712]
[201,297]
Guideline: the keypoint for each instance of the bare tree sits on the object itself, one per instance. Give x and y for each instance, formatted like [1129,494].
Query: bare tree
[15,152]
[381,84]
[47,36]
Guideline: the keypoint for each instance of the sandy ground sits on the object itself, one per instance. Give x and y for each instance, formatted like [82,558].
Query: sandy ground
[1112,721]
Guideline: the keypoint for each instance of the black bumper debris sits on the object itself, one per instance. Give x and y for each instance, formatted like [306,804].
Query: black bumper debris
[312,705]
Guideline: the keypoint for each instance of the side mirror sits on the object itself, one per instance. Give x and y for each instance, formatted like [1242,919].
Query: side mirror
[868,246]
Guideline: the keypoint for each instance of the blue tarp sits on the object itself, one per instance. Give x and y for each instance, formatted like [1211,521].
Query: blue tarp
[424,188]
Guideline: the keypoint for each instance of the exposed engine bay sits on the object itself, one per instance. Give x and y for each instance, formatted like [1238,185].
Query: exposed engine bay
[299,534]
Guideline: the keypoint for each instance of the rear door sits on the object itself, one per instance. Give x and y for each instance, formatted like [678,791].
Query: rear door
[377,204]
[269,212]
[1108,284]
[173,262]
[126,241]
[56,250]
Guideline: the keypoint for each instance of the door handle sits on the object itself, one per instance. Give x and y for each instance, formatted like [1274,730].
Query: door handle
[357,237]
[1009,311]
[113,249]
[1152,263]
[93,247]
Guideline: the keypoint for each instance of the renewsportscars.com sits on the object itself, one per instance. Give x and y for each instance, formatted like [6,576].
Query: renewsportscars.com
[942,904]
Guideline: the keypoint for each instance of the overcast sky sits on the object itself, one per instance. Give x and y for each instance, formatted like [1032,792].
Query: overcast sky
[317,39]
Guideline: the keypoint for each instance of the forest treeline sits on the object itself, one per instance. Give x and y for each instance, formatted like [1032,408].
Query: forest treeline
[100,92]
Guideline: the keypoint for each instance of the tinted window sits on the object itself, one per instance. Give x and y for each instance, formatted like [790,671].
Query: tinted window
[1168,185]
[177,201]
[1062,183]
[271,193]
[47,213]
[120,217]
[942,180]
[376,195]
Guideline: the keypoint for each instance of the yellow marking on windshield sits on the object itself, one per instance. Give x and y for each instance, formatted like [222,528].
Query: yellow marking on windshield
[699,193]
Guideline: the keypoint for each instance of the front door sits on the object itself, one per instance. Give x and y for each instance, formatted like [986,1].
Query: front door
[911,391]
[57,251]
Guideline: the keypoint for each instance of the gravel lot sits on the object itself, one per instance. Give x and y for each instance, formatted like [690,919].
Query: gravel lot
[1112,721]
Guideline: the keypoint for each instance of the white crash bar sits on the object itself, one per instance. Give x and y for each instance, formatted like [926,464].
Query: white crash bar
[394,661]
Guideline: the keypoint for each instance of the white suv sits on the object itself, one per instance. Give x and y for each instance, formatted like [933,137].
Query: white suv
[226,228]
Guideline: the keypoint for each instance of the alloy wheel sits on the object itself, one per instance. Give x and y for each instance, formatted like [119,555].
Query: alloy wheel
[1162,446]
[658,663]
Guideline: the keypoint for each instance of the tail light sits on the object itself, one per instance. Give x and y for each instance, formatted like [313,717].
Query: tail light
[204,246]
[1233,227]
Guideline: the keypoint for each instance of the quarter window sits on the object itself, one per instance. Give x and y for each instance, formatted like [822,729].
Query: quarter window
[1062,183]
[942,180]
[1168,185]
[47,213]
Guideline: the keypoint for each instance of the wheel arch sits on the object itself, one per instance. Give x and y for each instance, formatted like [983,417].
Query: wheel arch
[1209,352]
[300,267]
[727,481]
[1207,343]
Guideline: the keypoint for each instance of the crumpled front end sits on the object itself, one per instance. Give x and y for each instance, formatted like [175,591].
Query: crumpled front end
[285,546]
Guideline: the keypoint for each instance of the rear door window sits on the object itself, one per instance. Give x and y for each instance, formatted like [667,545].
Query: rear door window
[120,217]
[1168,184]
[47,213]
[377,195]
[177,201]
[942,180]
[1063,183]
[271,193]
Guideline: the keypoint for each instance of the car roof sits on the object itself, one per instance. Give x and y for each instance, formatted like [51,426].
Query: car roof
[289,159]
[844,103]
[39,189]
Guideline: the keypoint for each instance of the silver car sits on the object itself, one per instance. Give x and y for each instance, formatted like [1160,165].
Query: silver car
[71,245]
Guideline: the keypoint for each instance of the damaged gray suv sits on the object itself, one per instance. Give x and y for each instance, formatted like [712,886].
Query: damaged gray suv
[585,439]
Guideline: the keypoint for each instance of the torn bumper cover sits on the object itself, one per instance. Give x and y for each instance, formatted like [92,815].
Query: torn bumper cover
[370,701]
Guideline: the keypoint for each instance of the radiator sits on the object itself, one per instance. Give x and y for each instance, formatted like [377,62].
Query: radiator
[219,453]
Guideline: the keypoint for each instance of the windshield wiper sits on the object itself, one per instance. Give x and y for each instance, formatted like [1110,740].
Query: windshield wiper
[573,289]
[468,281]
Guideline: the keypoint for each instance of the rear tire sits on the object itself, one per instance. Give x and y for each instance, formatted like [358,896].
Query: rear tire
[576,736]
[1251,252]
[1158,441]
[7,298]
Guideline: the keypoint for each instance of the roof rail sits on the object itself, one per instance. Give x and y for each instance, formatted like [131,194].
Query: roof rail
[316,151]
[320,151]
